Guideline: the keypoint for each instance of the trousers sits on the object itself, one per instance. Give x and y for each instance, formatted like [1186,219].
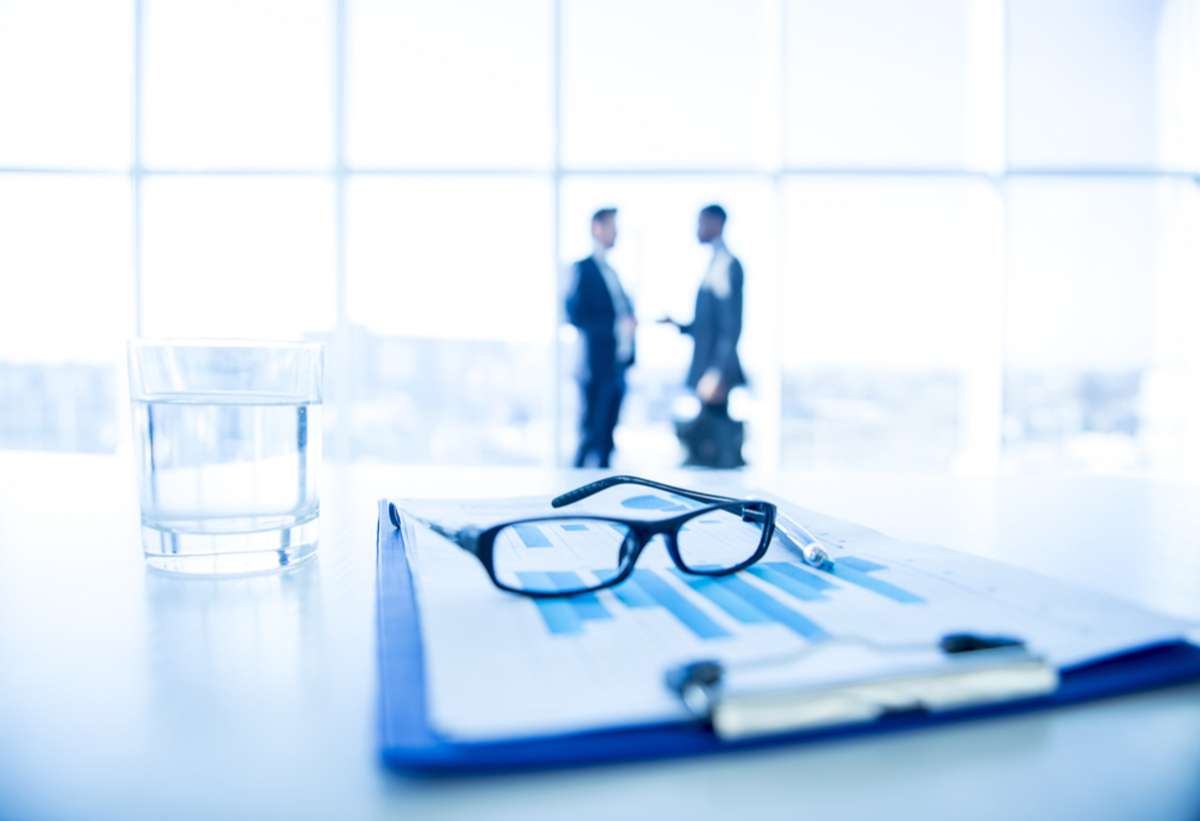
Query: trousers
[601,408]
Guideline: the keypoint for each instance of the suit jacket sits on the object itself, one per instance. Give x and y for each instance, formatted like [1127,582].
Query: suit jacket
[590,309]
[715,329]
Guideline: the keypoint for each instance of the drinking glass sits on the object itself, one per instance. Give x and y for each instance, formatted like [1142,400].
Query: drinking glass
[228,442]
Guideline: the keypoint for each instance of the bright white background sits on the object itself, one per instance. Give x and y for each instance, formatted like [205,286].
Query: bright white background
[971,228]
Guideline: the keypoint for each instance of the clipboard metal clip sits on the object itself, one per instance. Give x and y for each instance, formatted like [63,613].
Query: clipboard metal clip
[856,681]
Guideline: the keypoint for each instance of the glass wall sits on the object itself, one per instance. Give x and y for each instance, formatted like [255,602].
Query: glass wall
[970,228]
[895,293]
[1101,369]
[451,318]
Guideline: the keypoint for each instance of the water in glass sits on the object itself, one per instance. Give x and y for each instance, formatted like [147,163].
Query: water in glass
[228,480]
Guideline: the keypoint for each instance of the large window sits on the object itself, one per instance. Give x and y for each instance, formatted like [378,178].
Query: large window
[899,98]
[237,257]
[894,296]
[667,84]
[970,228]
[451,301]
[226,84]
[65,263]
[461,85]
[1093,383]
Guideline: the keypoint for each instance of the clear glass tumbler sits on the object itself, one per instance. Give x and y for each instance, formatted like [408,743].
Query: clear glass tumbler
[228,440]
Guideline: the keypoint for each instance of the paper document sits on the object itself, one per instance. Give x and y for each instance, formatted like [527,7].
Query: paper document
[500,665]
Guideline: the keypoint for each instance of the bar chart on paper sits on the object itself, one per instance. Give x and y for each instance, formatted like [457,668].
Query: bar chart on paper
[779,598]
[775,591]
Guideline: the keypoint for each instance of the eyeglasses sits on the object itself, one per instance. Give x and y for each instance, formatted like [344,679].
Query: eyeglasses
[554,556]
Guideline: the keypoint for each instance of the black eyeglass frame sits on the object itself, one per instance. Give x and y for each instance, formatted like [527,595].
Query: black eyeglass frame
[482,542]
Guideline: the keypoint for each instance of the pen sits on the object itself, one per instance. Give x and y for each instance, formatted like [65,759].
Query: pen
[809,547]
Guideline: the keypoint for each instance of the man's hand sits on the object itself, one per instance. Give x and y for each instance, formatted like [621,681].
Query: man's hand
[626,325]
[710,389]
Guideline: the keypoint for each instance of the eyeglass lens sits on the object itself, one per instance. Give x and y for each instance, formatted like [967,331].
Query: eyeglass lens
[720,539]
[564,555]
[560,555]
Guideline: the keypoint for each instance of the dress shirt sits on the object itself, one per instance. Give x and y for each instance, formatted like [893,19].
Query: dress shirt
[620,305]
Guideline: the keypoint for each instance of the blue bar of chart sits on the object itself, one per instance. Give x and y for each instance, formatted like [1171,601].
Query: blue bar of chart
[748,604]
[850,569]
[734,596]
[690,616]
[532,535]
[860,564]
[560,615]
[564,616]
[674,504]
[587,605]
[855,571]
[645,589]
[631,594]
[650,502]
[800,574]
[798,623]
[796,587]
[726,599]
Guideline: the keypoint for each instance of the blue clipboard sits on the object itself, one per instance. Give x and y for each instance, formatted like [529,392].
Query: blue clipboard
[408,742]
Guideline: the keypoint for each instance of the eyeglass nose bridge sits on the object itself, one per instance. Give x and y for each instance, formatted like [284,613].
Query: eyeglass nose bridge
[639,538]
[631,546]
[670,541]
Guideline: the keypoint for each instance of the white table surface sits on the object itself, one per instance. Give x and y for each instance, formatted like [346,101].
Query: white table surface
[129,694]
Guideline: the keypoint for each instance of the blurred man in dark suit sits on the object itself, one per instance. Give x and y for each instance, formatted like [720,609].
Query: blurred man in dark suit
[713,439]
[599,307]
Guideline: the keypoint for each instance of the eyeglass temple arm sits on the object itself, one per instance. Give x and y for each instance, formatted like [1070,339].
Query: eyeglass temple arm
[592,488]
[812,550]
